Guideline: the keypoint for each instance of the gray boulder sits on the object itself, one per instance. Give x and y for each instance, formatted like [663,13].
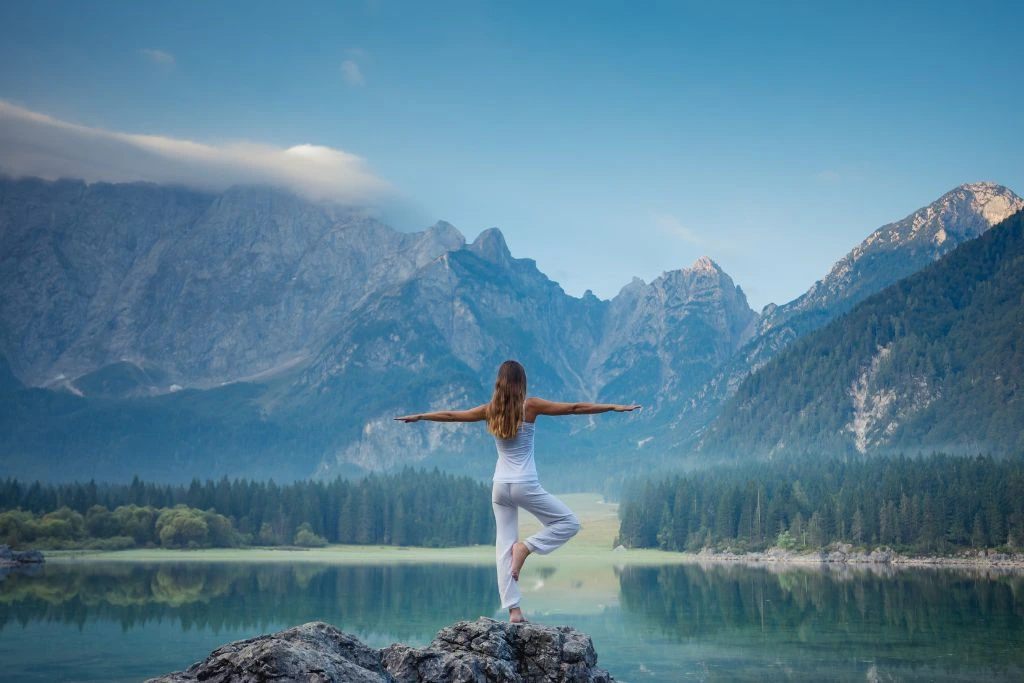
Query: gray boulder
[484,651]
[487,650]
[29,557]
[315,652]
[10,557]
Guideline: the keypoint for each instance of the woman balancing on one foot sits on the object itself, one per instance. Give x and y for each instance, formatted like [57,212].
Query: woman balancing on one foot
[510,418]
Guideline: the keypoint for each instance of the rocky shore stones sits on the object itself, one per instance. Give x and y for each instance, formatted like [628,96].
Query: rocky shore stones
[10,557]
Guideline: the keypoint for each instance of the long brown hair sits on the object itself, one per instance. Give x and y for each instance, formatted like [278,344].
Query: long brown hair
[505,411]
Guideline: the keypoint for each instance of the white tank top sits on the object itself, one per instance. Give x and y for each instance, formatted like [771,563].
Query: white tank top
[515,457]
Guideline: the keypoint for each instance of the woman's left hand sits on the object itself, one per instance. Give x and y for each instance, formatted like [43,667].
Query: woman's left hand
[408,418]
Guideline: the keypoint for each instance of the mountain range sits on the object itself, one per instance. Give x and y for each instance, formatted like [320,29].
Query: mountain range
[173,333]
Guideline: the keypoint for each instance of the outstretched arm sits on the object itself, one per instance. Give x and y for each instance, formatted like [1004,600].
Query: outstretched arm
[540,406]
[471,415]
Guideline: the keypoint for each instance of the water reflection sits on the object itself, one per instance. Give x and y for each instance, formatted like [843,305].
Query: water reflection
[727,622]
[855,620]
[408,602]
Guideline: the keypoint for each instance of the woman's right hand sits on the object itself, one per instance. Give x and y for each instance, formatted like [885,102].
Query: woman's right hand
[627,409]
[408,418]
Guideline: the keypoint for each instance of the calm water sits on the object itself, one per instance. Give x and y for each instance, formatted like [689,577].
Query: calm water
[120,622]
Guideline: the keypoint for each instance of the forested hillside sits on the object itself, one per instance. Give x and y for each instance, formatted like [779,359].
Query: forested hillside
[928,504]
[935,362]
[411,507]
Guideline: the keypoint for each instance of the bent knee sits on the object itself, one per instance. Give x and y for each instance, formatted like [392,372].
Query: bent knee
[573,525]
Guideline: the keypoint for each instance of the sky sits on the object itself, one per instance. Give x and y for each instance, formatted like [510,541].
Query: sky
[606,140]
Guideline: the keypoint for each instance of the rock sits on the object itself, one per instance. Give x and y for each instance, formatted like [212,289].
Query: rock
[312,652]
[484,651]
[488,650]
[29,557]
[10,557]
[882,556]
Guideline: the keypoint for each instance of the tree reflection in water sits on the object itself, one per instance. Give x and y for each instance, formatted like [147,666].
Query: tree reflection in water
[733,622]
[906,617]
[405,601]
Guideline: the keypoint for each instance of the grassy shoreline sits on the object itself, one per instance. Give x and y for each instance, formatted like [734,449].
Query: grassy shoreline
[590,551]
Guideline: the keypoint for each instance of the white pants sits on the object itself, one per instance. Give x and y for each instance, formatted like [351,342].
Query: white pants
[560,524]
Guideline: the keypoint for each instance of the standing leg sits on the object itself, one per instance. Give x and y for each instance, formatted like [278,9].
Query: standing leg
[506,521]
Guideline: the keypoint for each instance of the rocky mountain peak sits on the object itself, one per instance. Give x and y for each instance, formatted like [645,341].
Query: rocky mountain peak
[703,275]
[631,291]
[446,232]
[441,237]
[993,202]
[964,212]
[898,249]
[705,265]
[490,245]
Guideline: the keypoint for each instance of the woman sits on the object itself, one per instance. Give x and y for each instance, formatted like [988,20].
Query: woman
[510,418]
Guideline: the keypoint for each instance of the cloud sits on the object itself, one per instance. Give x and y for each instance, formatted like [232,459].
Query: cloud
[671,226]
[34,144]
[351,73]
[158,57]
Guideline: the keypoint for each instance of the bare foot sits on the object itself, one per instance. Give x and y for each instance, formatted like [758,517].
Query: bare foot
[519,552]
[515,616]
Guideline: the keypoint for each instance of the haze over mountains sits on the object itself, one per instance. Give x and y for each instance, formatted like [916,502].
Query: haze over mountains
[177,333]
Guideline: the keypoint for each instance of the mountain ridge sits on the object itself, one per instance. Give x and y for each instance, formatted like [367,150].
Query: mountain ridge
[931,363]
[306,328]
[891,252]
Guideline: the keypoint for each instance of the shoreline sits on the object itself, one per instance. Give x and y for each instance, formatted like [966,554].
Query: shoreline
[881,557]
[483,555]
[590,551]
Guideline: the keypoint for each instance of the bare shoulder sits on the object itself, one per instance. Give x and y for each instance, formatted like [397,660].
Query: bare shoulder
[532,408]
[536,405]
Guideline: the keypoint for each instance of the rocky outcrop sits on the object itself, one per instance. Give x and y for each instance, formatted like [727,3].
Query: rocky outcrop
[14,558]
[484,651]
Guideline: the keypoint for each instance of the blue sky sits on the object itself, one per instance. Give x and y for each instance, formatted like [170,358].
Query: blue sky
[606,140]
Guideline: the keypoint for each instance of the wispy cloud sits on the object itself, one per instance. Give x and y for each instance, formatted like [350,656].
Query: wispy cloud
[35,144]
[828,176]
[673,227]
[158,57]
[351,73]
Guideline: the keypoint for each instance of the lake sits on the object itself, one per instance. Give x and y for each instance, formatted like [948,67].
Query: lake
[125,621]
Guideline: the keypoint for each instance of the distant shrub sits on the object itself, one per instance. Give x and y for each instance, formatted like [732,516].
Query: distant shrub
[307,539]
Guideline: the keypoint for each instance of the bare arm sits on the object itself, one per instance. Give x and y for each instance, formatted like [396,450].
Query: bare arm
[471,415]
[540,406]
